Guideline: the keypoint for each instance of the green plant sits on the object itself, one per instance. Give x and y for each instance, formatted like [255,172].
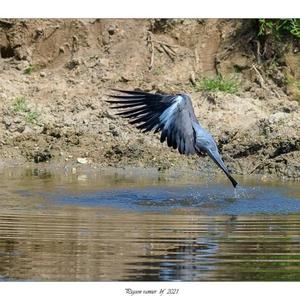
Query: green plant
[29,69]
[293,86]
[217,83]
[158,71]
[32,116]
[19,105]
[279,27]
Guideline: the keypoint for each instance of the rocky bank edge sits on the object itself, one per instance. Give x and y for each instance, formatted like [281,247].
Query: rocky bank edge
[55,76]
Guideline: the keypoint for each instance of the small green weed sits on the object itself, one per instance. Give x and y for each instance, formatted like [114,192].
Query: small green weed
[293,87]
[20,106]
[279,27]
[29,70]
[158,71]
[217,83]
[32,116]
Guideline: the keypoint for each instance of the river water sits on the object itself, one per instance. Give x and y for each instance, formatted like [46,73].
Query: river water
[129,225]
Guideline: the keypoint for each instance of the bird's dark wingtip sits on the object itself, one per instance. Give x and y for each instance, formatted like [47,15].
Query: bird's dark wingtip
[135,93]
[128,92]
[120,91]
[109,95]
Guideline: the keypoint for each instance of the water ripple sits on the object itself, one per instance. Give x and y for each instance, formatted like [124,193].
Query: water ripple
[150,232]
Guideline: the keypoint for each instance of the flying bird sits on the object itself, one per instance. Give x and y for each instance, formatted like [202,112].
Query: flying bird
[174,117]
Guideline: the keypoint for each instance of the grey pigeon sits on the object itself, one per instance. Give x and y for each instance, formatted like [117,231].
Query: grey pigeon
[174,117]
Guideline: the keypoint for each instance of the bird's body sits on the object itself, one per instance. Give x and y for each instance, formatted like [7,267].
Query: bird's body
[174,116]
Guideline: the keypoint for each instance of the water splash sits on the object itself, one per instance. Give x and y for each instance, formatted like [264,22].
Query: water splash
[236,191]
[241,192]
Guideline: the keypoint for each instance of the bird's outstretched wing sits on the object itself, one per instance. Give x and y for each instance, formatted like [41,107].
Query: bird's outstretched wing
[173,115]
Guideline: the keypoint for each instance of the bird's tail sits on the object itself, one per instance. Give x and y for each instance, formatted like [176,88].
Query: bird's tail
[217,159]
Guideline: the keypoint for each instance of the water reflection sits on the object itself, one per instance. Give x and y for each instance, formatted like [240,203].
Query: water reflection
[112,227]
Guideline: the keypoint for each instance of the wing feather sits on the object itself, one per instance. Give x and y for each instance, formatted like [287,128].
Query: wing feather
[173,115]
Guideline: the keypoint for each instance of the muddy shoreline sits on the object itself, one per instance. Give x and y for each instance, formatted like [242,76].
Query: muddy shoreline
[55,76]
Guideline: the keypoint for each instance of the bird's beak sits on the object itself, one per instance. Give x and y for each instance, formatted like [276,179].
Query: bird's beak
[215,156]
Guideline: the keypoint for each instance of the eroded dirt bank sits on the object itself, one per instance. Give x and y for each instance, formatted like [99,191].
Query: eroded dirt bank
[55,76]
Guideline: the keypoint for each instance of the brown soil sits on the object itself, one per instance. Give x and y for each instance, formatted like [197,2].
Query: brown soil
[55,76]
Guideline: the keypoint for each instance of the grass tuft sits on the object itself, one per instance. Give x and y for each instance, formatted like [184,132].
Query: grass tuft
[29,70]
[217,83]
[279,27]
[20,106]
[32,117]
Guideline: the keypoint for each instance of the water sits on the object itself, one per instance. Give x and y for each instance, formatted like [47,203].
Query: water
[142,225]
